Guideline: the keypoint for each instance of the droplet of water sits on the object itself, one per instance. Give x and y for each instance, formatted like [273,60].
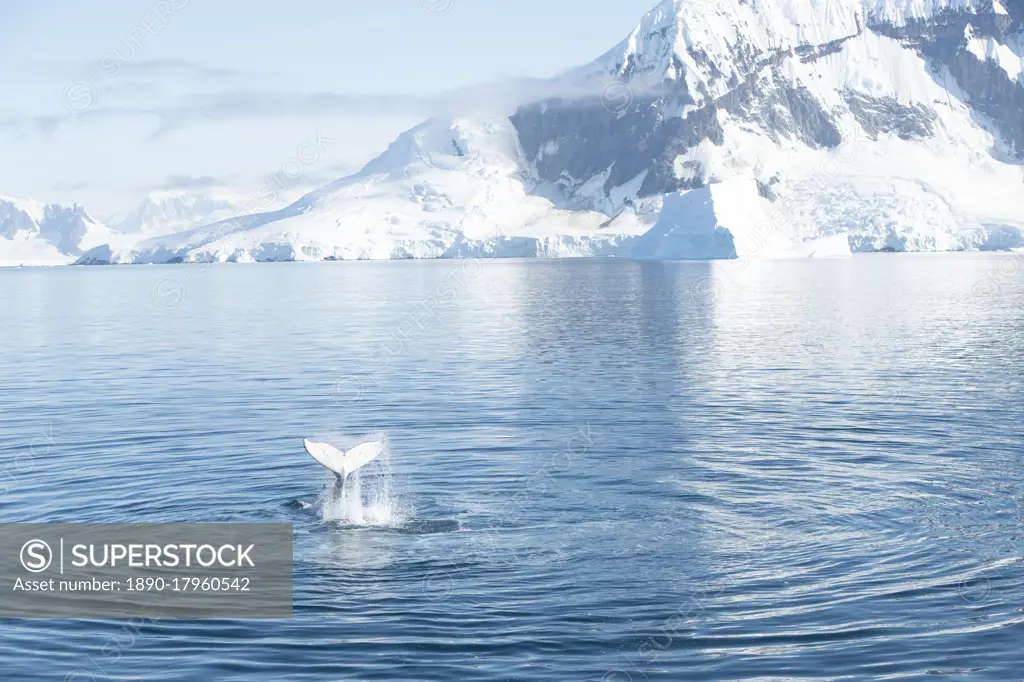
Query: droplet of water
[367,499]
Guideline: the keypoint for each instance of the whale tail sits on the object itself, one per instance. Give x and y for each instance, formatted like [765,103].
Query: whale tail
[341,463]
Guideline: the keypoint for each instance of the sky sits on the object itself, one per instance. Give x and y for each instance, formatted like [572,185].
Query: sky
[103,103]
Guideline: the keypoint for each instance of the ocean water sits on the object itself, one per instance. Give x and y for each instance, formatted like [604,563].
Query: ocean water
[597,470]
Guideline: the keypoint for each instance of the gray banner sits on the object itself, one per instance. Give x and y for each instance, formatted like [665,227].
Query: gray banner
[146,570]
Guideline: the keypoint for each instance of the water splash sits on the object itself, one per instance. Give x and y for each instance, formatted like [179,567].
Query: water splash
[367,499]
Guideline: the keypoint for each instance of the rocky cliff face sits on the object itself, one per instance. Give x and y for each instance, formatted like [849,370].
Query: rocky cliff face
[975,49]
[691,66]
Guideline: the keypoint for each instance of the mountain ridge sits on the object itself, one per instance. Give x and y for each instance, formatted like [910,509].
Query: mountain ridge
[899,123]
[33,232]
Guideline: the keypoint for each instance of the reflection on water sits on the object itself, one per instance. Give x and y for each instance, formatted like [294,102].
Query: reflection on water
[602,470]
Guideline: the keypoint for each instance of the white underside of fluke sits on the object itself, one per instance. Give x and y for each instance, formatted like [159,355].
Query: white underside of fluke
[343,464]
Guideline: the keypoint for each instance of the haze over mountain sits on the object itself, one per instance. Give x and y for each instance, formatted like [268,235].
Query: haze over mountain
[169,211]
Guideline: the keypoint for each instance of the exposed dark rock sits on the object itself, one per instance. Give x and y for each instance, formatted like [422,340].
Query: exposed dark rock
[64,227]
[990,89]
[783,110]
[13,220]
[591,139]
[994,95]
[884,115]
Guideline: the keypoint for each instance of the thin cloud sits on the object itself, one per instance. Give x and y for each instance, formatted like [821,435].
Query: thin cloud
[243,105]
[501,98]
[496,99]
[71,186]
[159,68]
[191,182]
[46,125]
[330,174]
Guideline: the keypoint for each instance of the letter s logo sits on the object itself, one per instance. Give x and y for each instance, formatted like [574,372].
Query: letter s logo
[36,556]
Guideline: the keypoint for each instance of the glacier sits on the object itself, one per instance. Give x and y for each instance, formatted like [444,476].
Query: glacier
[715,129]
[727,220]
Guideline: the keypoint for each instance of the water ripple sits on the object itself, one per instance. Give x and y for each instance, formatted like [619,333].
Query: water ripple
[600,478]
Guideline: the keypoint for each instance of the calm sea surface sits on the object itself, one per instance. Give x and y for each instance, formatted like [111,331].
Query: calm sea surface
[598,470]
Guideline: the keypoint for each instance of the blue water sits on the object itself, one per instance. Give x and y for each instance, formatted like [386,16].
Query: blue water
[599,470]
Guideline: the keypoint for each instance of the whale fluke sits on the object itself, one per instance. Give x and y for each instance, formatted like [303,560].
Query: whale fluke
[344,463]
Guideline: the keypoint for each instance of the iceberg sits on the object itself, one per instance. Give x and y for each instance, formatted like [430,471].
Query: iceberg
[727,220]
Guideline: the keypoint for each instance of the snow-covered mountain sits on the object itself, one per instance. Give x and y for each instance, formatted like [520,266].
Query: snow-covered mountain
[881,124]
[33,233]
[444,188]
[871,117]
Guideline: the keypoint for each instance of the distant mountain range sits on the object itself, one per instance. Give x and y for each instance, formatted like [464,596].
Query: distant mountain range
[170,211]
[36,233]
[714,130]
